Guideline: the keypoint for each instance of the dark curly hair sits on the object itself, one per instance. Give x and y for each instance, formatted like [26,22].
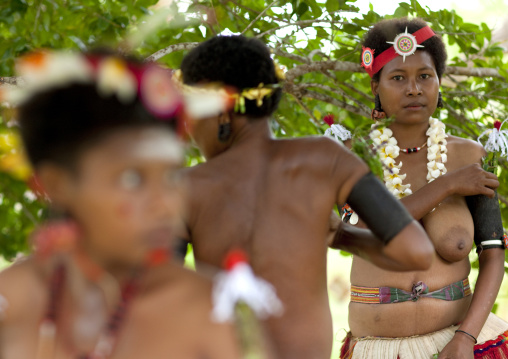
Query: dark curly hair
[236,61]
[386,30]
[57,125]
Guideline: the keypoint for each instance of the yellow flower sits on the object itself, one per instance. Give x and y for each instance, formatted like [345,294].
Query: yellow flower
[257,93]
[279,71]
[114,77]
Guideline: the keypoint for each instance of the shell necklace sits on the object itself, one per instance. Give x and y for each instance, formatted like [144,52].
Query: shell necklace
[388,150]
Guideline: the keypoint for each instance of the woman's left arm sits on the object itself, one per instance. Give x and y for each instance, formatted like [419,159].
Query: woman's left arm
[487,286]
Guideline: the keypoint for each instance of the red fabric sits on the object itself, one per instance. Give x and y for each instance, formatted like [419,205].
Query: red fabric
[388,55]
[345,351]
[493,349]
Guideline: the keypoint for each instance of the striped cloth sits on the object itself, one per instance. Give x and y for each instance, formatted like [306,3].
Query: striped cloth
[387,295]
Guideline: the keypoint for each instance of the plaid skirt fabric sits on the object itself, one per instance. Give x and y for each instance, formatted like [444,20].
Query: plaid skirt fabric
[492,344]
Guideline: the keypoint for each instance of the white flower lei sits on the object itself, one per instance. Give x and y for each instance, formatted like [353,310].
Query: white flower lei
[389,151]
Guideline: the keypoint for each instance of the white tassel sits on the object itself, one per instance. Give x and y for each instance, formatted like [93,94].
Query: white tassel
[339,132]
[497,139]
[239,284]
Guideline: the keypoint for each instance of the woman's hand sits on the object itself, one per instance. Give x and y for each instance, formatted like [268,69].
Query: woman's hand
[471,180]
[460,347]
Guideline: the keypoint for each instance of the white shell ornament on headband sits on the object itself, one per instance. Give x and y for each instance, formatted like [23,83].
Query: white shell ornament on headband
[405,44]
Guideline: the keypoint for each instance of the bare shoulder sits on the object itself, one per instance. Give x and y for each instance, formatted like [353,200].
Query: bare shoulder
[21,284]
[315,148]
[464,151]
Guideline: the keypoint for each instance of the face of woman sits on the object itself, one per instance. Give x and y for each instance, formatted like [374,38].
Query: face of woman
[126,195]
[408,90]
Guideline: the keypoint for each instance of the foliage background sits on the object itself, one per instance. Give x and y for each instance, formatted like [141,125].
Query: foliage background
[317,41]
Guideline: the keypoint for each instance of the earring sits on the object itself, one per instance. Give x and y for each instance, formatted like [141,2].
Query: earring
[440,103]
[224,129]
[377,113]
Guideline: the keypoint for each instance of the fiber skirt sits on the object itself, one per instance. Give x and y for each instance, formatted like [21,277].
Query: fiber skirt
[492,344]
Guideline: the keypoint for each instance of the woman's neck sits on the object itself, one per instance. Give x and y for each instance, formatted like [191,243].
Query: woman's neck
[409,135]
[247,132]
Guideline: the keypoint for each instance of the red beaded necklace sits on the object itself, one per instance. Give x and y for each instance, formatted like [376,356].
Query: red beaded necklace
[107,341]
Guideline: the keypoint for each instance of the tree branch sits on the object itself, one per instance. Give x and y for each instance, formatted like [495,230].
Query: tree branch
[298,23]
[171,48]
[277,51]
[339,92]
[336,102]
[299,91]
[473,71]
[307,110]
[354,67]
[322,66]
[259,16]
[502,199]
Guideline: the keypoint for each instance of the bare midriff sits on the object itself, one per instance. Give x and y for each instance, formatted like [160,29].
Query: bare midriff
[450,228]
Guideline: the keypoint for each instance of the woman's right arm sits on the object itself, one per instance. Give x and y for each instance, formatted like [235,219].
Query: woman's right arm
[466,181]
[397,242]
[398,255]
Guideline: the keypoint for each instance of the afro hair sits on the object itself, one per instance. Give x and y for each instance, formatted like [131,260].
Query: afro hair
[234,61]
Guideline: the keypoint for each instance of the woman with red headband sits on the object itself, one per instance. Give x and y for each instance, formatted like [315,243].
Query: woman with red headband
[432,313]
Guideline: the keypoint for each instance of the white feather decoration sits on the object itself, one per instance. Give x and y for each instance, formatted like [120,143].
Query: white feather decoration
[239,284]
[497,139]
[339,132]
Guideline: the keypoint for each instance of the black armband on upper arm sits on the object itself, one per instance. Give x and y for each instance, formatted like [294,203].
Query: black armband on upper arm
[488,226]
[384,215]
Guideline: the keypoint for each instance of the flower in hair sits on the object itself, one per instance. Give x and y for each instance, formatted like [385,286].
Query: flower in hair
[203,101]
[255,93]
[279,71]
[114,77]
[158,93]
[223,96]
[44,69]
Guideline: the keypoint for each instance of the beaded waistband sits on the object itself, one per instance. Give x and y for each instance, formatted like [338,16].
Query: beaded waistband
[387,295]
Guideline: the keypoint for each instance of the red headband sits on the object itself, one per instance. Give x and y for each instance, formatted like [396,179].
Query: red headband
[404,45]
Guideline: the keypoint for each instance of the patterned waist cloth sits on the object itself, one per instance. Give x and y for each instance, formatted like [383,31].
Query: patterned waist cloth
[386,295]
